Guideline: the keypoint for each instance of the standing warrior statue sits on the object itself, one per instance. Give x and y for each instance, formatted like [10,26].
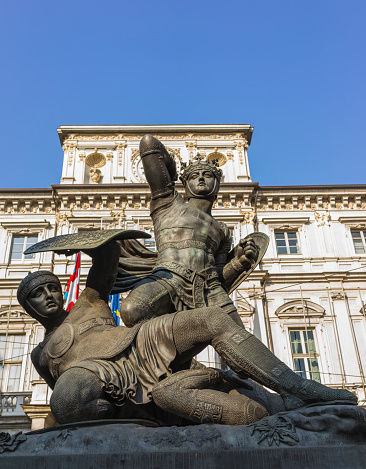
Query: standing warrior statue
[195,266]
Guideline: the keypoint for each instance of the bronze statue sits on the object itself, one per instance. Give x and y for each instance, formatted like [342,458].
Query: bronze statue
[98,370]
[178,305]
[195,265]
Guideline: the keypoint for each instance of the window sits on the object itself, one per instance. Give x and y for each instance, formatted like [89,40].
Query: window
[359,241]
[150,242]
[20,244]
[304,356]
[286,242]
[11,357]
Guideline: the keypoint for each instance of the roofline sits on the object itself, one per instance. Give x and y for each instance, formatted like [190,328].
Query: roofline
[131,185]
[312,187]
[63,130]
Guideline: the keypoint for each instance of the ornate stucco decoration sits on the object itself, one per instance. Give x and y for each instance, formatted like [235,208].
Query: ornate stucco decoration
[337,296]
[242,147]
[191,147]
[118,216]
[120,147]
[167,136]
[62,218]
[298,309]
[248,217]
[216,155]
[322,218]
[95,160]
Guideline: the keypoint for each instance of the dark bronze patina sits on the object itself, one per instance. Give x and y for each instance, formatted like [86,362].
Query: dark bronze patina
[178,305]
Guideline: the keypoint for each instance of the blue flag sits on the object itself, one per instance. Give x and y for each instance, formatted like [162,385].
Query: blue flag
[114,301]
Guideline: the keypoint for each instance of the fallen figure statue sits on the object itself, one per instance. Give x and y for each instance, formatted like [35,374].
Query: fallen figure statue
[98,370]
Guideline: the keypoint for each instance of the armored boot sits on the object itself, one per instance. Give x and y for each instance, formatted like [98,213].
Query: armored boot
[243,352]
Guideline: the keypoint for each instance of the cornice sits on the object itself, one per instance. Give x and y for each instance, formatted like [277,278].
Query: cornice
[65,130]
[338,188]
[312,278]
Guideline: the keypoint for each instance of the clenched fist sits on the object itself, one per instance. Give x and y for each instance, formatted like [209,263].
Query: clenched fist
[246,252]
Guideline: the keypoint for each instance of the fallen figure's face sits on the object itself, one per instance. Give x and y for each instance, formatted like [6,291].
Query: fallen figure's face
[46,300]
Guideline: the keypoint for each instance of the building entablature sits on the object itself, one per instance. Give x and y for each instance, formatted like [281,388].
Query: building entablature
[293,198]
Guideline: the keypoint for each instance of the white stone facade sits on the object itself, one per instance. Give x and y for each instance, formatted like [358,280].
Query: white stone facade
[312,293]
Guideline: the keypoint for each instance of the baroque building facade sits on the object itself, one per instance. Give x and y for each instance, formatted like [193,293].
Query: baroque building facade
[305,301]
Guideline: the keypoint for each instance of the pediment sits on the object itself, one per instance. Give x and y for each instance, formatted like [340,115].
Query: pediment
[300,309]
[244,308]
[14,315]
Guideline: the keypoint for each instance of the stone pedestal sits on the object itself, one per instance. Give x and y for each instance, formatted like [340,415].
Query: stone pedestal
[327,437]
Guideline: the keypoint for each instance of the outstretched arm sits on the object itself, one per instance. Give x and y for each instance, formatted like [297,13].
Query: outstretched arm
[159,166]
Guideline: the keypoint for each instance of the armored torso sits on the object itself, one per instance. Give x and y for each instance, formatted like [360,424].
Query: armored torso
[186,236]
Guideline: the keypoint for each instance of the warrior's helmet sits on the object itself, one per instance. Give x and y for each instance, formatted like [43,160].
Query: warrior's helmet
[29,283]
[200,163]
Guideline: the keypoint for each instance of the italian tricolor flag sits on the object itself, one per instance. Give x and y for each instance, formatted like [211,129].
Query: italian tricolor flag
[72,289]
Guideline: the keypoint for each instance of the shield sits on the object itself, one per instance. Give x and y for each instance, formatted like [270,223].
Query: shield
[72,243]
[262,241]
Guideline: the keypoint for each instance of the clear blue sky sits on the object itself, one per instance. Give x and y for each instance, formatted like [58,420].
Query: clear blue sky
[295,70]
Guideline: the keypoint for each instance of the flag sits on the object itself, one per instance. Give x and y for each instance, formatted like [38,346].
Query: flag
[72,289]
[114,301]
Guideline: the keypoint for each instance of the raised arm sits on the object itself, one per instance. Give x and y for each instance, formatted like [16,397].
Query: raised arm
[103,272]
[159,166]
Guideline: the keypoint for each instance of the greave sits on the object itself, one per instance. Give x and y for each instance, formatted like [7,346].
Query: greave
[243,352]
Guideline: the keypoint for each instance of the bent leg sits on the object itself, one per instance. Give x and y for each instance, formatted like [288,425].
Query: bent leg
[149,299]
[187,394]
[242,351]
[79,396]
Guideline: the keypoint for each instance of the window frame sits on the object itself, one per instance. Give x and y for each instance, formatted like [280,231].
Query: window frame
[24,258]
[9,360]
[287,244]
[306,355]
[362,233]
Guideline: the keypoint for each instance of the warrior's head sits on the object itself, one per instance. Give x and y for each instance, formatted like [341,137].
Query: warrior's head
[201,179]
[40,294]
